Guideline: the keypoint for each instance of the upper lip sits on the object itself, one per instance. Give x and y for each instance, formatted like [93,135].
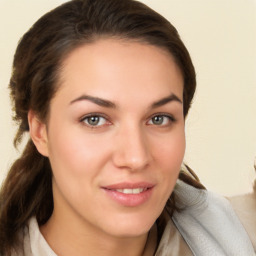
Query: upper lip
[129,185]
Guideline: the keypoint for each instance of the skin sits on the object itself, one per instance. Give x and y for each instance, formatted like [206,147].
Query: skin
[127,145]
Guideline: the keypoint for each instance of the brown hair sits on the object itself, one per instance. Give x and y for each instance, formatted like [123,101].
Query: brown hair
[27,190]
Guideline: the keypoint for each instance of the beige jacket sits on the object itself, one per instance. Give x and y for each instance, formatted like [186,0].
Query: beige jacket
[245,208]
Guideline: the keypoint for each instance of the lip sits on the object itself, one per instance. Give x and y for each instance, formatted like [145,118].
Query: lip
[129,200]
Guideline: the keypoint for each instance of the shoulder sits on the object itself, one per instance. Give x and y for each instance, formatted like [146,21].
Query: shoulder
[23,243]
[245,208]
[32,243]
[208,223]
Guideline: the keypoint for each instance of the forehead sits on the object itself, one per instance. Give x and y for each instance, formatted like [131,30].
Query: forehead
[112,65]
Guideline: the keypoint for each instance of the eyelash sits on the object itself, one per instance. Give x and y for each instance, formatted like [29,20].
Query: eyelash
[100,116]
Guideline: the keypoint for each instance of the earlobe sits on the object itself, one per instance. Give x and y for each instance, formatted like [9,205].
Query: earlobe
[38,133]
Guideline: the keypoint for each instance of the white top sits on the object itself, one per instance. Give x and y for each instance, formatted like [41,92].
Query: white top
[206,222]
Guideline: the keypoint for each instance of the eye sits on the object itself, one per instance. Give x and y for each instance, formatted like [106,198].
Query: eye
[161,120]
[94,121]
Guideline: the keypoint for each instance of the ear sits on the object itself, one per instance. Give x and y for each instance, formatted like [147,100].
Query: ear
[38,133]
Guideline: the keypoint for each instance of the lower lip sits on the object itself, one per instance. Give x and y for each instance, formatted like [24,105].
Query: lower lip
[130,200]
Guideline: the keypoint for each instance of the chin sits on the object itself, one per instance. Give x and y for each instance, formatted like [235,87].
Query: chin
[132,227]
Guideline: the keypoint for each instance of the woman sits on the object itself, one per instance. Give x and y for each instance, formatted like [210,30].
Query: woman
[103,88]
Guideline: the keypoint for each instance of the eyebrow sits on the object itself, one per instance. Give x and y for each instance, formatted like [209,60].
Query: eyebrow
[166,100]
[96,100]
[110,104]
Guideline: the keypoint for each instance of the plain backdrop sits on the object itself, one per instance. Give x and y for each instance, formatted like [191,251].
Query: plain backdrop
[221,128]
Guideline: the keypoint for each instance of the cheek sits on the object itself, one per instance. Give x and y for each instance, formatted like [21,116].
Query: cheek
[176,152]
[171,151]
[72,153]
[170,157]
[76,164]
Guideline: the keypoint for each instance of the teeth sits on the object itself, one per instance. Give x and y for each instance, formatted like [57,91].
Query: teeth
[131,190]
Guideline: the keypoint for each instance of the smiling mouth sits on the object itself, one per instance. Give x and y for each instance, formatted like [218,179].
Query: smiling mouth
[130,195]
[133,191]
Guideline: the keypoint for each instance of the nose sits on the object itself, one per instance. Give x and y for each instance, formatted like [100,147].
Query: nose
[131,151]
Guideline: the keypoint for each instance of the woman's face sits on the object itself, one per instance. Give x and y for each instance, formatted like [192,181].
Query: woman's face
[115,136]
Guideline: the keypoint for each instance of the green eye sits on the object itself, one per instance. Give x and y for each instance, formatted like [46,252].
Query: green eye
[94,121]
[161,120]
[158,120]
